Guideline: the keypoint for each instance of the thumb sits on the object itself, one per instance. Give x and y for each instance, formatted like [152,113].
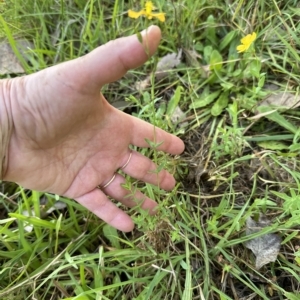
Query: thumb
[111,61]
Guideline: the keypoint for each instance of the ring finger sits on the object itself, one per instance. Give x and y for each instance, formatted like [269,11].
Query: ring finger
[144,169]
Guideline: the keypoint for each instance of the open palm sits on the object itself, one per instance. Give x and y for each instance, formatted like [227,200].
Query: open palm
[67,139]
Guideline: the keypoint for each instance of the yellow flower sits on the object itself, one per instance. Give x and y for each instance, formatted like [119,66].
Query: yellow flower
[147,12]
[246,42]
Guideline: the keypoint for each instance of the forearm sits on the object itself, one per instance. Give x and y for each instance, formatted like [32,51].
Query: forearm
[6,124]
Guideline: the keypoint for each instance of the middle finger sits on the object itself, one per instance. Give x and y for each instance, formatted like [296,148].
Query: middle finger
[144,169]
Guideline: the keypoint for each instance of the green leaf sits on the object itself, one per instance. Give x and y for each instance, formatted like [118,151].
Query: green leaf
[294,147]
[291,296]
[229,37]
[202,102]
[112,235]
[227,85]
[232,61]
[207,53]
[265,202]
[35,221]
[220,104]
[273,145]
[247,72]
[255,67]
[216,61]
[278,118]
[210,32]
[184,265]
[237,73]
[297,259]
[70,260]
[173,103]
[261,81]
[79,297]
[161,110]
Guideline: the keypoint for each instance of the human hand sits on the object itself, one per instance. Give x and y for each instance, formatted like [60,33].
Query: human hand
[67,139]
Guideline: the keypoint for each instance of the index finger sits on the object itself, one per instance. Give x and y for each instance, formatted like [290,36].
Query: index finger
[143,132]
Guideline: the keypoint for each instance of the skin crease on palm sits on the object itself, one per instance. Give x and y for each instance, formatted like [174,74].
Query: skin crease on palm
[67,139]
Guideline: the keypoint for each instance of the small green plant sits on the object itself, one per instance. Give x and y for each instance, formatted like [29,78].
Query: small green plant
[290,206]
[229,140]
[228,79]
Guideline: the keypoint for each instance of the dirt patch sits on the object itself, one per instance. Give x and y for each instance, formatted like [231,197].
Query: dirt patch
[250,176]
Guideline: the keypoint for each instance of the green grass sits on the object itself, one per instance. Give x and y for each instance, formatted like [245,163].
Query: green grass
[194,248]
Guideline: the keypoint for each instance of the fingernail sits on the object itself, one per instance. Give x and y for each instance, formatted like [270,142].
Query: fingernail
[147,30]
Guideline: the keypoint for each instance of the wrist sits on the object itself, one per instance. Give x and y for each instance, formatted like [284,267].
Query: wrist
[6,124]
